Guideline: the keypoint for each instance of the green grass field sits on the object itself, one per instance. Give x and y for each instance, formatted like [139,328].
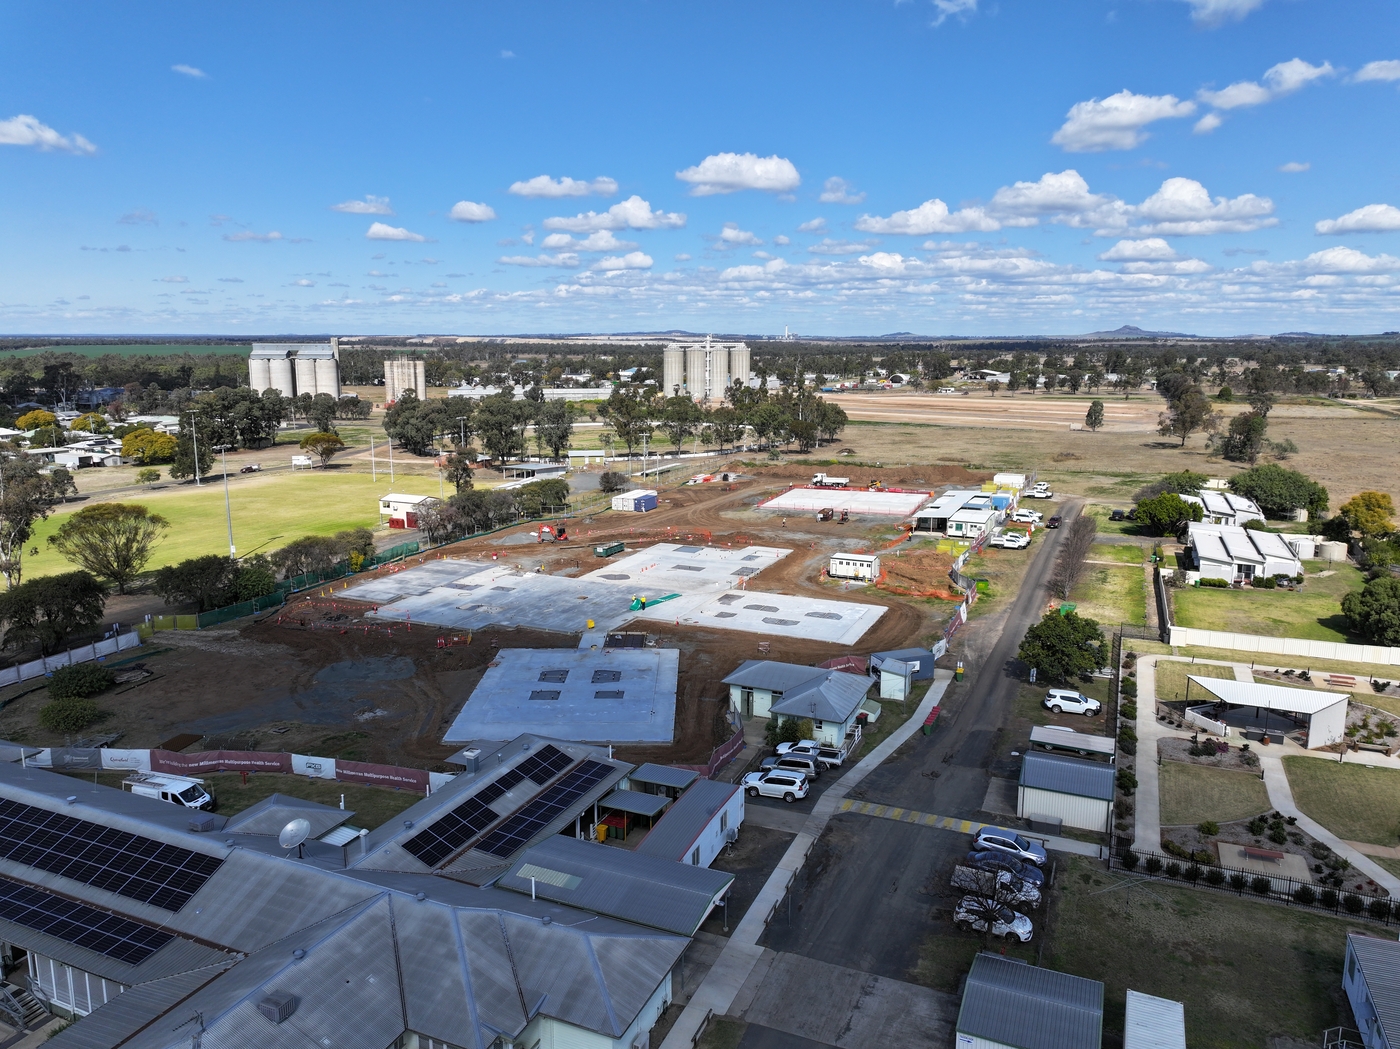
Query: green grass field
[1314,613]
[1112,595]
[1248,972]
[1191,794]
[268,511]
[1171,679]
[1353,802]
[1123,553]
[133,350]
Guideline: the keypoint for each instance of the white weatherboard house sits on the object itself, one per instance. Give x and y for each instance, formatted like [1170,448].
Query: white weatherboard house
[1371,979]
[1076,792]
[1226,508]
[831,699]
[1231,553]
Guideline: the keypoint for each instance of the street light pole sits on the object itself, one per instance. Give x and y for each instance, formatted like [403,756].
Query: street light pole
[194,431]
[228,511]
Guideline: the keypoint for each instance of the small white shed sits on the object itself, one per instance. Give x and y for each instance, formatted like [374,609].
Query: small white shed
[1154,1023]
[854,566]
[1075,792]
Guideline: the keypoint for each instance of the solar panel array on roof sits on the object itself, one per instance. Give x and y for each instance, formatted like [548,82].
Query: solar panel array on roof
[525,824]
[545,765]
[138,868]
[76,923]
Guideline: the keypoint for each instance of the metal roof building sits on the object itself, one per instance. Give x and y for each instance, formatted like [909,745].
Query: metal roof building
[697,824]
[1072,791]
[1010,1004]
[136,925]
[1371,979]
[804,692]
[1154,1023]
[1319,717]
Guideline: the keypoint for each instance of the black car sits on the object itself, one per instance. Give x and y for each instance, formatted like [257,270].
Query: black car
[1117,515]
[1054,522]
[999,861]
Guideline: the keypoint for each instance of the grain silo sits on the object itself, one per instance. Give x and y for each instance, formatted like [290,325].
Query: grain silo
[259,375]
[719,373]
[696,373]
[673,370]
[276,357]
[739,363]
[402,374]
[305,365]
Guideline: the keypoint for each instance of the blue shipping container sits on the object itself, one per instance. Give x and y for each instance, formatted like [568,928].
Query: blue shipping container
[644,503]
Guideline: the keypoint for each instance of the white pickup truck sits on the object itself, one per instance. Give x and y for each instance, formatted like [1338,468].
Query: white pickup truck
[827,481]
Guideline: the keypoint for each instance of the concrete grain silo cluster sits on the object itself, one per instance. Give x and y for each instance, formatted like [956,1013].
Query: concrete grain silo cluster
[704,370]
[293,368]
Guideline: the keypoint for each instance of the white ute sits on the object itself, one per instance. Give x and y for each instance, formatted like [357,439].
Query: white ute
[178,790]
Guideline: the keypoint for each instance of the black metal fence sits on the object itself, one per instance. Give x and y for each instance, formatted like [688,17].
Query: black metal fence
[1251,884]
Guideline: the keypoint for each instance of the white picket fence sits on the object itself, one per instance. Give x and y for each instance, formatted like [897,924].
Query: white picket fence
[1298,647]
[82,654]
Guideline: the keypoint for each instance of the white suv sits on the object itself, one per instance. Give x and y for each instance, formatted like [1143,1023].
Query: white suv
[994,839]
[1061,700]
[1024,516]
[779,783]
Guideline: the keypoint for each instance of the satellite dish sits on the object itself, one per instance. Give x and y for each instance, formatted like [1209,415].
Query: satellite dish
[293,834]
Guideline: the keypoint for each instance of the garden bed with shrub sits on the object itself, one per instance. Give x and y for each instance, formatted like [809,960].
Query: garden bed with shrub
[1210,752]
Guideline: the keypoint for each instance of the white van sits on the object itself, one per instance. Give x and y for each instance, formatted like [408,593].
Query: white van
[178,790]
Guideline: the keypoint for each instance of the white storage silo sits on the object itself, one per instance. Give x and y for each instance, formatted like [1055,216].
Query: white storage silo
[259,375]
[719,373]
[305,372]
[328,376]
[739,363]
[695,376]
[673,370]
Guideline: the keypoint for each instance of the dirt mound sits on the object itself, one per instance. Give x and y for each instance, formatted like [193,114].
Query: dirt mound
[918,572]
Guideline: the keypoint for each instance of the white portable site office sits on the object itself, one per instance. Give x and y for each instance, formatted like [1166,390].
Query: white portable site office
[854,566]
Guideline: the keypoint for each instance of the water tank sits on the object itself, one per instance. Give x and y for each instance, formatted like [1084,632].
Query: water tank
[1331,550]
[673,370]
[306,374]
[280,376]
[695,361]
[259,375]
[328,376]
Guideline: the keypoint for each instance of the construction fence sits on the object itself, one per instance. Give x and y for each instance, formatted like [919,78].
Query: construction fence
[81,654]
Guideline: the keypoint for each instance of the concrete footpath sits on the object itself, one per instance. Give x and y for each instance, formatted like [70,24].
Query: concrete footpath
[736,962]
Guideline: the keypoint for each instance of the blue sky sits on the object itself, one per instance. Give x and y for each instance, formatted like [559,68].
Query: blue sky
[844,168]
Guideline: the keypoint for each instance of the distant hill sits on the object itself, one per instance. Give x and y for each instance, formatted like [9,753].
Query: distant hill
[1132,331]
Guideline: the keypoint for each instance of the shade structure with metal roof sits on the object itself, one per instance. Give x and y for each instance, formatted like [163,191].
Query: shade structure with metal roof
[1321,715]
[690,816]
[648,890]
[665,776]
[1011,1003]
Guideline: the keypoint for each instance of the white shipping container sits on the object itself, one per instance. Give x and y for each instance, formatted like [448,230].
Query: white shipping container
[628,501]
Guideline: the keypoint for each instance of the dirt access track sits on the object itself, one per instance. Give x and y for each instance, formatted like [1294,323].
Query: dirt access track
[317,677]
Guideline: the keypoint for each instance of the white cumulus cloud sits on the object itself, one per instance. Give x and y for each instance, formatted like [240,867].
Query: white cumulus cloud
[782,240]
[1216,12]
[249,235]
[1279,80]
[25,130]
[1384,71]
[632,213]
[371,205]
[1208,123]
[839,191]
[733,236]
[1062,193]
[602,240]
[1349,260]
[304,283]
[383,231]
[544,186]
[827,246]
[817,225]
[565,260]
[1152,249]
[1373,218]
[1293,167]
[190,71]
[947,8]
[1116,122]
[633,260]
[1183,207]
[932,216]
[175,280]
[731,172]
[469,211]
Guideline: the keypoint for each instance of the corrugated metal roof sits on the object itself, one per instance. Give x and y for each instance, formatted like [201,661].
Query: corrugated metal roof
[1271,697]
[1054,736]
[1380,965]
[663,775]
[637,887]
[274,812]
[133,1009]
[772,676]
[1065,775]
[833,697]
[675,833]
[635,802]
[1029,1007]
[1154,1023]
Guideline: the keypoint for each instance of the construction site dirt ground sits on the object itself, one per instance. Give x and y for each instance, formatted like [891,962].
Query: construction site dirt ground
[320,677]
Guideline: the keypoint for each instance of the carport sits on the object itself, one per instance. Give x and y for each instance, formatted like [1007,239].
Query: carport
[1310,716]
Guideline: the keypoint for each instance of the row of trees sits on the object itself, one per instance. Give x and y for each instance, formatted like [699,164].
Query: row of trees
[471,510]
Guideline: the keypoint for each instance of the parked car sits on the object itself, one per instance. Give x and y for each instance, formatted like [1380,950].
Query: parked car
[805,764]
[827,757]
[801,744]
[995,839]
[1067,699]
[1054,522]
[1117,515]
[1001,885]
[972,912]
[251,468]
[1026,516]
[1010,540]
[1041,493]
[1001,861]
[776,783]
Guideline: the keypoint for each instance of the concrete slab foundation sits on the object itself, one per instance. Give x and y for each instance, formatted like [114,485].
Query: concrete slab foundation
[856,500]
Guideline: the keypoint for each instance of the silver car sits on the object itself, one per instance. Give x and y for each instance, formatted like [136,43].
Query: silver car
[973,912]
[995,839]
